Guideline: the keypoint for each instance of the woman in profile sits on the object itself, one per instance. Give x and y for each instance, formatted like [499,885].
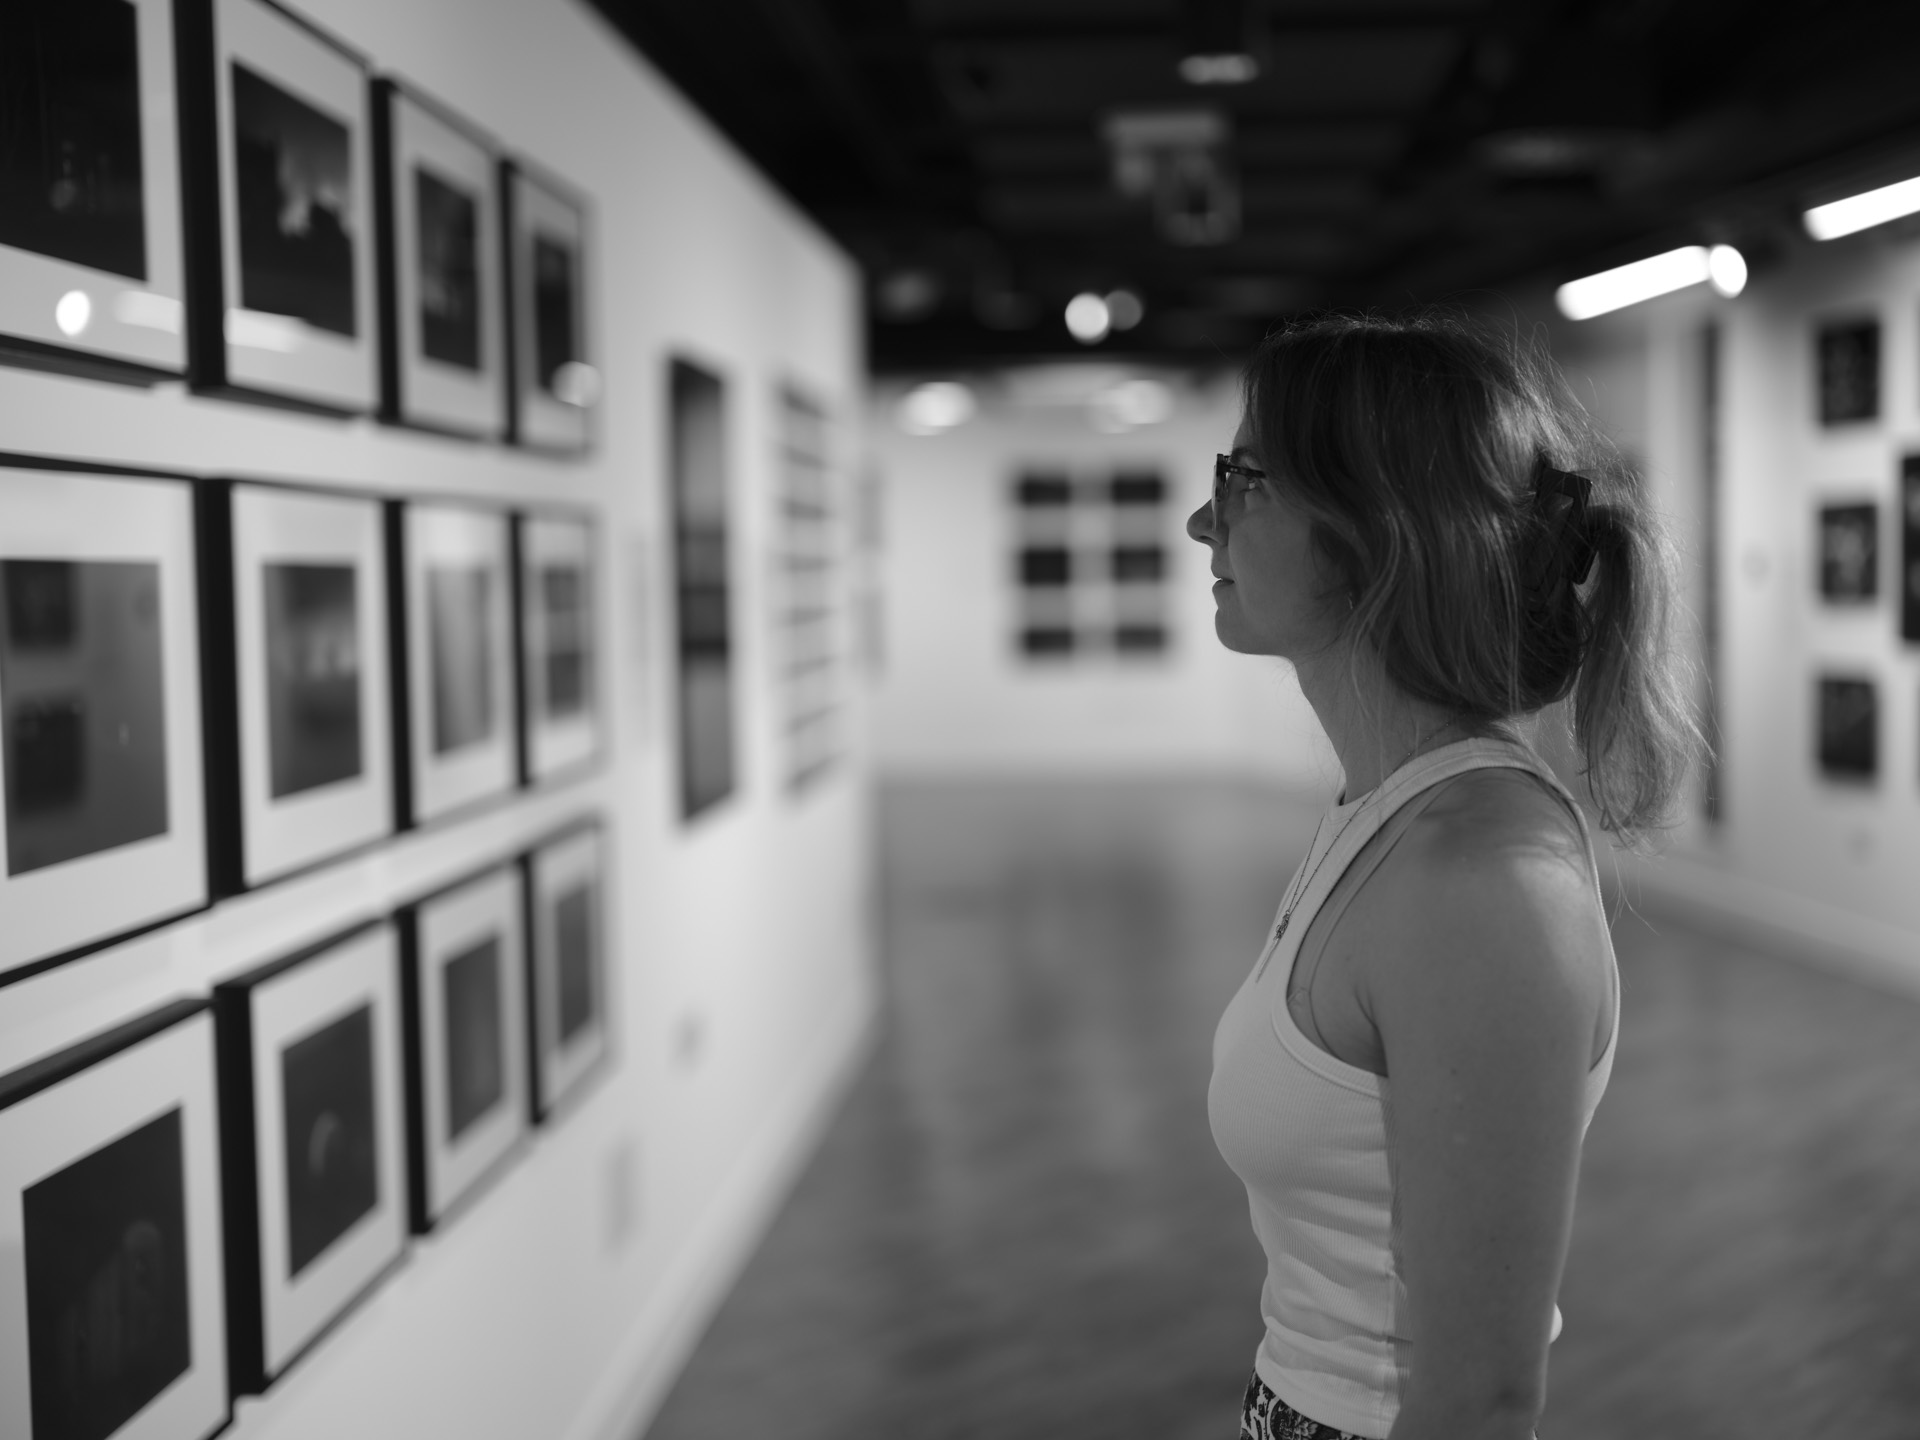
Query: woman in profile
[1418,517]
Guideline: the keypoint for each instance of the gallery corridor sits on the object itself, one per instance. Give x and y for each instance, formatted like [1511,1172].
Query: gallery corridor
[1018,1226]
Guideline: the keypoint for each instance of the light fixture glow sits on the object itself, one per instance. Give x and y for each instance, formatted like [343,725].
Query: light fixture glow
[1862,212]
[148,311]
[935,407]
[1088,318]
[1129,405]
[1656,275]
[73,312]
[576,383]
[1229,68]
[1125,309]
[254,330]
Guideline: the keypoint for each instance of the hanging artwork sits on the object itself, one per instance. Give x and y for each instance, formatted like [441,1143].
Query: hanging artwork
[555,385]
[1849,727]
[1090,565]
[1849,361]
[566,896]
[1910,548]
[443,338]
[702,592]
[100,708]
[458,647]
[561,726]
[312,1118]
[110,1212]
[1849,553]
[809,619]
[90,257]
[280,214]
[465,993]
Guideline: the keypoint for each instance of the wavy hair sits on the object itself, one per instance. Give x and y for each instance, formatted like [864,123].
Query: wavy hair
[1416,444]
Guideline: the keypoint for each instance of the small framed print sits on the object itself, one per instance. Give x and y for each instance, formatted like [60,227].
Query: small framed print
[1849,356]
[1910,548]
[100,702]
[311,1068]
[1849,553]
[560,726]
[1849,727]
[280,208]
[90,240]
[554,383]
[113,1300]
[566,898]
[459,711]
[443,339]
[465,989]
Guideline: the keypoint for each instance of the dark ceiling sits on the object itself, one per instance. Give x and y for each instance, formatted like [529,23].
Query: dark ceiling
[973,153]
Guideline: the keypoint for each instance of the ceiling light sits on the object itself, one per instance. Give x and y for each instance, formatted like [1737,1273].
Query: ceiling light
[1125,309]
[1861,212]
[935,407]
[1231,68]
[1657,275]
[1088,319]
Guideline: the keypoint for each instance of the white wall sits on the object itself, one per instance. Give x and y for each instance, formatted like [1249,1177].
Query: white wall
[955,698]
[560,1303]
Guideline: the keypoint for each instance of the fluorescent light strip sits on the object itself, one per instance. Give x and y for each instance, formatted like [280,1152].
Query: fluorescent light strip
[1862,212]
[1657,275]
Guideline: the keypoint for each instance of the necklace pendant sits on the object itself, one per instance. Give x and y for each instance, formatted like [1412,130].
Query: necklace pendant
[1280,930]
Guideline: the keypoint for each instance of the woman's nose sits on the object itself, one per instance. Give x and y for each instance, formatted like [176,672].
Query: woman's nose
[1200,525]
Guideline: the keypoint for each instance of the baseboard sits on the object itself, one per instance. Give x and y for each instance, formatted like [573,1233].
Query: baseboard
[1696,891]
[649,1357]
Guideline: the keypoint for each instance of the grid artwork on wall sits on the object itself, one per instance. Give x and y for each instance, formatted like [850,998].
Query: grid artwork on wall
[1089,565]
[808,626]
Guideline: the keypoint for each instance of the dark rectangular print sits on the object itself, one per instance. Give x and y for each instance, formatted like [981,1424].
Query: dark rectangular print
[476,1059]
[1910,548]
[573,954]
[327,1091]
[1849,728]
[563,600]
[293,173]
[1849,552]
[84,707]
[555,316]
[446,221]
[70,144]
[460,654]
[1849,371]
[313,675]
[702,589]
[105,1243]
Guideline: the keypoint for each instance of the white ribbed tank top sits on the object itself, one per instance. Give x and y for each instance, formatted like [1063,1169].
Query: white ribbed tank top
[1310,1137]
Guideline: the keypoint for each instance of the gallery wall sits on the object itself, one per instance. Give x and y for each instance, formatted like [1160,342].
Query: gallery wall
[560,1298]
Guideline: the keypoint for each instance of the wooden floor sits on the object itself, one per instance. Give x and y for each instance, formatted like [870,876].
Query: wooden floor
[1019,1228]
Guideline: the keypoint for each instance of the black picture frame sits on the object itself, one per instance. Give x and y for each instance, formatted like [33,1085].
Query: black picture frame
[464,978]
[1849,558]
[110,1195]
[555,385]
[91,265]
[571,1009]
[103,817]
[278,170]
[313,1118]
[443,335]
[703,589]
[1847,728]
[555,560]
[1909,517]
[1847,353]
[810,632]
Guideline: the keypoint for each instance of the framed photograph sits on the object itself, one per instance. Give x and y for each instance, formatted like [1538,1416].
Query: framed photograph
[459,723]
[280,217]
[555,386]
[443,338]
[1849,358]
[561,725]
[465,989]
[1849,553]
[809,620]
[1849,727]
[1910,548]
[566,909]
[312,1080]
[703,590]
[113,1299]
[90,241]
[100,702]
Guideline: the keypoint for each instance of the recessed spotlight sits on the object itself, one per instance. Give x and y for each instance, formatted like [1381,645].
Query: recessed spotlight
[1230,68]
[1124,309]
[1088,319]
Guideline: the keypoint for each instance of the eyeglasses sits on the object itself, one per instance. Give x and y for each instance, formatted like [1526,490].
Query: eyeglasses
[1224,469]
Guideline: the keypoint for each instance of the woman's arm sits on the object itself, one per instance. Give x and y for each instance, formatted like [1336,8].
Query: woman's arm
[1486,972]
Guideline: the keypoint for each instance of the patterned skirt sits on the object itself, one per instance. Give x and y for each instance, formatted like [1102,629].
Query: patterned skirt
[1265,1416]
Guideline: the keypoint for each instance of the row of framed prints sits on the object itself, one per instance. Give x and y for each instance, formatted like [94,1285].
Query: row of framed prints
[196,1196]
[216,188]
[209,685]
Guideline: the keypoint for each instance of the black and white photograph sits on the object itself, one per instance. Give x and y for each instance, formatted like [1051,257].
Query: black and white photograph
[90,222]
[100,705]
[559,667]
[110,1202]
[1848,353]
[555,383]
[1849,553]
[459,653]
[1910,547]
[310,635]
[703,591]
[295,318]
[467,1011]
[571,1010]
[444,353]
[810,623]
[312,1080]
[1848,715]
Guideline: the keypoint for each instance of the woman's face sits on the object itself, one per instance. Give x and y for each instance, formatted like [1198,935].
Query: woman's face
[1268,587]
